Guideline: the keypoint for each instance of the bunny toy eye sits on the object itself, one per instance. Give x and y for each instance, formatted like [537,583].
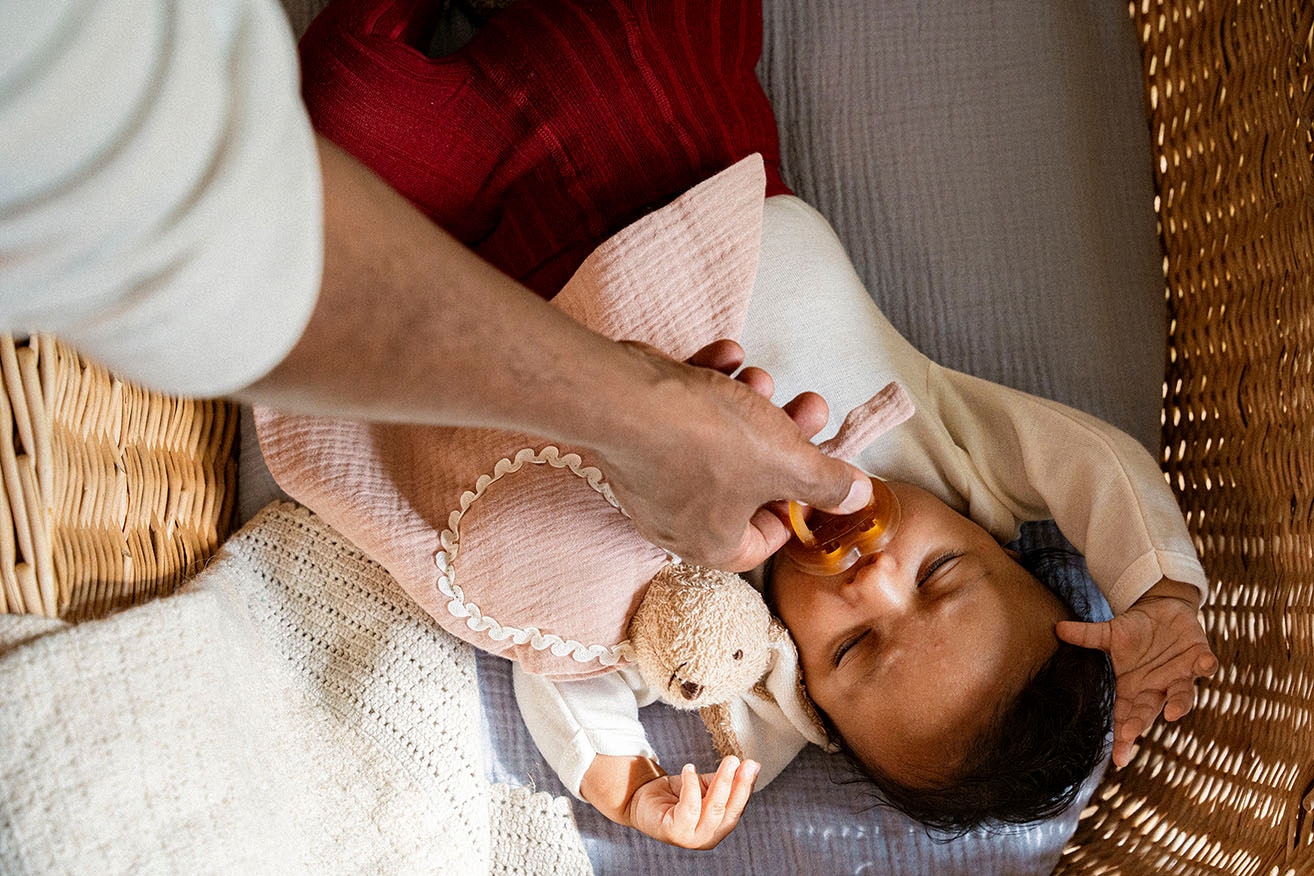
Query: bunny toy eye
[738,655]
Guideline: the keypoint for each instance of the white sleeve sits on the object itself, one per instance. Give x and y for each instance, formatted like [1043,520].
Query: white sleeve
[572,722]
[999,455]
[160,200]
[1034,458]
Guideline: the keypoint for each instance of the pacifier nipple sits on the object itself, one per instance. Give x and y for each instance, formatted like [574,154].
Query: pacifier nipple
[827,544]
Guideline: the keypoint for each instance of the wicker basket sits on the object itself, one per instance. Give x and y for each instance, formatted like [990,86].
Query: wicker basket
[1230,789]
[111,494]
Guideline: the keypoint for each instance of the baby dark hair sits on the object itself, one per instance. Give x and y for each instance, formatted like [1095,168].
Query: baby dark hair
[1033,759]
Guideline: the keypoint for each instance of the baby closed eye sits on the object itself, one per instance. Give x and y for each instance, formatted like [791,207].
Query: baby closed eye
[938,563]
[848,645]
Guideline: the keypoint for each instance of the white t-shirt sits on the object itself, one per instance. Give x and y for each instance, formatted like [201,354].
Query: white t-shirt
[998,455]
[160,200]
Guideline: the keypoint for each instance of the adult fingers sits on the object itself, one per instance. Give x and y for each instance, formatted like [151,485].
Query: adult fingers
[766,534]
[727,356]
[809,412]
[758,380]
[724,356]
[830,484]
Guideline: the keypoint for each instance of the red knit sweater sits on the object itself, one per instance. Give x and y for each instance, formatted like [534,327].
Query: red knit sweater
[557,125]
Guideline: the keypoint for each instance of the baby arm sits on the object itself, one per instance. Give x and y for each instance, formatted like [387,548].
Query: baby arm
[590,734]
[1111,500]
[692,810]
[1158,648]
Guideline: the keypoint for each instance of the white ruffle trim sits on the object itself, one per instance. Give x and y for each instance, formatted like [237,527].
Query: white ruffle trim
[460,607]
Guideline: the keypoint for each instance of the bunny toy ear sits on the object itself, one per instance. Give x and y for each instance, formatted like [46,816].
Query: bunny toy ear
[784,685]
[869,420]
[719,721]
[774,721]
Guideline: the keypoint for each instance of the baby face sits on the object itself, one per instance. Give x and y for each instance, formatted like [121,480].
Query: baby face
[912,651]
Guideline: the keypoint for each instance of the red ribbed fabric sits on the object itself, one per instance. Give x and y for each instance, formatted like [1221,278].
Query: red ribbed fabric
[556,126]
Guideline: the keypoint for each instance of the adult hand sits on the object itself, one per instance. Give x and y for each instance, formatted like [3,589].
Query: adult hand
[1158,649]
[706,460]
[693,456]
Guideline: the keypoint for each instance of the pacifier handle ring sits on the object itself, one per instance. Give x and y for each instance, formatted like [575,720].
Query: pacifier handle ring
[800,525]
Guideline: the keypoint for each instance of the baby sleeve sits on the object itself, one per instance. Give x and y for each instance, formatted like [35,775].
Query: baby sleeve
[1034,458]
[572,722]
[999,455]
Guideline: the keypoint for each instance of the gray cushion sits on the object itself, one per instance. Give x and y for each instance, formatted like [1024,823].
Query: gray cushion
[988,167]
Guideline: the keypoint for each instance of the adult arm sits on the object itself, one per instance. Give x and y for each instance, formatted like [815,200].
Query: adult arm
[161,210]
[411,325]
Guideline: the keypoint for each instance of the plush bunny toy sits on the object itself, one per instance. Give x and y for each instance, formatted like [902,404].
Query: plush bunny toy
[705,640]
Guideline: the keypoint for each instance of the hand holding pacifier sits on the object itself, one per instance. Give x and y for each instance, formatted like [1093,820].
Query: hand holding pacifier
[827,544]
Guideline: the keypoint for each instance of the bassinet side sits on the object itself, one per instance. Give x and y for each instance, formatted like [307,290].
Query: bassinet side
[1230,92]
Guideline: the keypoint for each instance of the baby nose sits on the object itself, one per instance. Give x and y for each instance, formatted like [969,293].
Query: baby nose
[691,690]
[877,581]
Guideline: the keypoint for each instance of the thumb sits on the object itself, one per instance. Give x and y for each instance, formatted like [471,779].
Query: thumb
[834,486]
[1085,635]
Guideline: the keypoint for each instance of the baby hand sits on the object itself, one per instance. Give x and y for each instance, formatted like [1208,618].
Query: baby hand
[694,811]
[1158,649]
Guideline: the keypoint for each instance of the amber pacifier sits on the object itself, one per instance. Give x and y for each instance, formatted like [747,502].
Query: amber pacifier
[827,544]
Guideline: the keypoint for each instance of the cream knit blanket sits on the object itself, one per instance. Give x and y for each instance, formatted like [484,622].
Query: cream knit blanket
[289,711]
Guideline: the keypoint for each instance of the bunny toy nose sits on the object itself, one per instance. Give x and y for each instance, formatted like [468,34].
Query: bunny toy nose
[691,690]
[827,544]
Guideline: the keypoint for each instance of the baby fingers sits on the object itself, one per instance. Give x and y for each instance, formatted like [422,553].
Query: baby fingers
[1085,635]
[718,794]
[726,796]
[1181,699]
[689,806]
[1131,718]
[741,789]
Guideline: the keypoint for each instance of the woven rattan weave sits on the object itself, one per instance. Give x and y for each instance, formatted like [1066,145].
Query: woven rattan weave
[1230,88]
[110,497]
[109,494]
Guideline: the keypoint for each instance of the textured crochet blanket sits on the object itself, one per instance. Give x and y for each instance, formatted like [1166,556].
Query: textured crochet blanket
[290,711]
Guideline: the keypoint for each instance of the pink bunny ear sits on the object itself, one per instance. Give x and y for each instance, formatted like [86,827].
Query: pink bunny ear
[869,420]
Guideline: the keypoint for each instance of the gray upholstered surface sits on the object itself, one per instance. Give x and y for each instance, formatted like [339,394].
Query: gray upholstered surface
[988,167]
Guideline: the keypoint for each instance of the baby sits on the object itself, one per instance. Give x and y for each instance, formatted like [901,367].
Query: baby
[936,664]
[958,681]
